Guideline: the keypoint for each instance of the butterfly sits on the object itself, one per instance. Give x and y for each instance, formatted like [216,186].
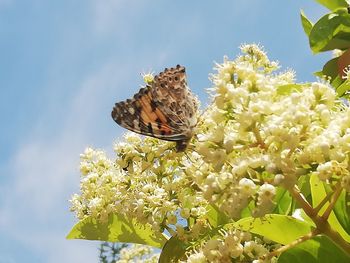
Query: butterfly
[165,109]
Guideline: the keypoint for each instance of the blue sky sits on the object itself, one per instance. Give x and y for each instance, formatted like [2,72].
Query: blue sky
[63,65]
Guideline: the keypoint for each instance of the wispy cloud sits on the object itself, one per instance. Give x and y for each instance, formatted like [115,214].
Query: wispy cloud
[114,15]
[44,169]
[45,173]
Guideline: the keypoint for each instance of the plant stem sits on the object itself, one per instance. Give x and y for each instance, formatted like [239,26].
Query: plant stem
[335,196]
[295,192]
[322,225]
[290,245]
[323,202]
[259,140]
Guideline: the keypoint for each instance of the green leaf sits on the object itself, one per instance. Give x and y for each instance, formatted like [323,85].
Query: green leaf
[304,186]
[305,217]
[289,88]
[319,74]
[216,217]
[274,227]
[318,193]
[344,87]
[306,23]
[173,251]
[342,209]
[316,250]
[247,211]
[331,32]
[337,82]
[116,229]
[333,4]
[331,68]
[283,201]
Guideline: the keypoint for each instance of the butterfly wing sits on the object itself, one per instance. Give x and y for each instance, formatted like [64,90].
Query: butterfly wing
[165,109]
[142,115]
[171,93]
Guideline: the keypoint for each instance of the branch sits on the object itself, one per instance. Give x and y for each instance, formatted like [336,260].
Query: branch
[323,202]
[257,135]
[322,225]
[280,250]
[335,196]
[295,192]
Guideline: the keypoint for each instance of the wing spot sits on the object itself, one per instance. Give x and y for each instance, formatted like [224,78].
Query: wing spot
[159,123]
[131,111]
[136,124]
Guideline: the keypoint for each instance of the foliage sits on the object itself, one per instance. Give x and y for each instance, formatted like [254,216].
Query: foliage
[332,32]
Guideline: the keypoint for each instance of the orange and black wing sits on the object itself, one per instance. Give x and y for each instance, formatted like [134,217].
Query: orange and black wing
[142,114]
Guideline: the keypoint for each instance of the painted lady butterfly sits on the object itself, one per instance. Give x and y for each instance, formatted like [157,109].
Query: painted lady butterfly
[164,109]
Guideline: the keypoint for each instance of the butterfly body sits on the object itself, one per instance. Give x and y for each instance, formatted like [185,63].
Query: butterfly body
[164,109]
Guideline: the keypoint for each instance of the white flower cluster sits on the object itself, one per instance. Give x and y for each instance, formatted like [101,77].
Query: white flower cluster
[262,131]
[146,182]
[137,254]
[229,246]
[98,186]
[266,136]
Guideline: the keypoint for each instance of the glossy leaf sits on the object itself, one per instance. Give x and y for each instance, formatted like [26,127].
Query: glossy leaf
[333,4]
[274,227]
[318,74]
[316,250]
[116,229]
[216,217]
[318,193]
[337,82]
[342,211]
[306,23]
[173,251]
[331,68]
[304,186]
[283,201]
[331,32]
[301,213]
[344,87]
[289,88]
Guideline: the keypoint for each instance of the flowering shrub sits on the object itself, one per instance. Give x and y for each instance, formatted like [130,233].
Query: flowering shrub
[267,171]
